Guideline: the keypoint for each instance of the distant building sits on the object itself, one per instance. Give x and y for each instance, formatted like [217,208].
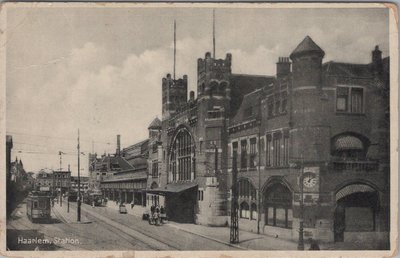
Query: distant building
[84,183]
[18,173]
[127,178]
[62,181]
[55,181]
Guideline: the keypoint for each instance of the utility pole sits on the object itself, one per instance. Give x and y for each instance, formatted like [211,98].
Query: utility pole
[174,47]
[69,188]
[234,230]
[214,33]
[79,184]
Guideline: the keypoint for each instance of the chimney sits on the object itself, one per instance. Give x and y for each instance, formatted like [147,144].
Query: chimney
[282,67]
[118,145]
[69,168]
[377,60]
[191,96]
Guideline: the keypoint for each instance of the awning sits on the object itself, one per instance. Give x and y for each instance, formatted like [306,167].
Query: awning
[172,188]
[348,143]
[356,188]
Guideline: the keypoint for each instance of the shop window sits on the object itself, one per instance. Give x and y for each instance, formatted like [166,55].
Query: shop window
[278,205]
[253,213]
[244,210]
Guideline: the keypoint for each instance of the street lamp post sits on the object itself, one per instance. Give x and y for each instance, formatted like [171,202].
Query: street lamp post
[234,230]
[300,245]
[79,184]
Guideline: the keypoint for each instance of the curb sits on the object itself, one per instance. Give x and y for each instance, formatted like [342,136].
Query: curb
[207,237]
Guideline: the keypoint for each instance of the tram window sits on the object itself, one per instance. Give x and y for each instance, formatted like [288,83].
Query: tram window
[42,204]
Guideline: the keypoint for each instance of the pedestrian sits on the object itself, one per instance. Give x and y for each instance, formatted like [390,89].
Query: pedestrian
[152,209]
[132,204]
[313,244]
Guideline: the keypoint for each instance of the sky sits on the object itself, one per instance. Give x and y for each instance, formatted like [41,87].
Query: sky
[100,69]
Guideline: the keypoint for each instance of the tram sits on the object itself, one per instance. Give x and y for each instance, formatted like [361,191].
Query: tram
[95,197]
[38,206]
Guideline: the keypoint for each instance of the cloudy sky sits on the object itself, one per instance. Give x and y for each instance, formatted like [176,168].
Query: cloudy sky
[100,69]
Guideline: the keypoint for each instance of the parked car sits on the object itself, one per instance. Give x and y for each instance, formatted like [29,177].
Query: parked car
[122,209]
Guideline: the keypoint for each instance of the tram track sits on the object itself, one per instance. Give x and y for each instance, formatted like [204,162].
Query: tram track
[123,228]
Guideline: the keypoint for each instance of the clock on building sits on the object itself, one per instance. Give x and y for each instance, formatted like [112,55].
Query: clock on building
[310,180]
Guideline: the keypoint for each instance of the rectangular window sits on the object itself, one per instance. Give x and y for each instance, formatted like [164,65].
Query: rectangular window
[269,150]
[154,168]
[243,154]
[356,100]
[350,99]
[270,107]
[253,152]
[234,155]
[284,102]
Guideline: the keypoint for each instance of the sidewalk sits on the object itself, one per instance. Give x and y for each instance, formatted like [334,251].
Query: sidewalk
[62,213]
[247,240]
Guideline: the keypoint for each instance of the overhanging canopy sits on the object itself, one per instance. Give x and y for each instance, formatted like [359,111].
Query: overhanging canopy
[348,143]
[172,188]
[350,189]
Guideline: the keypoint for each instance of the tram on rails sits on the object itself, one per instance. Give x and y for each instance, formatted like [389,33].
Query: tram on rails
[38,206]
[94,197]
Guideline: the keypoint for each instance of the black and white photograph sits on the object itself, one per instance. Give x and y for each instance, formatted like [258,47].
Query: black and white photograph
[199,127]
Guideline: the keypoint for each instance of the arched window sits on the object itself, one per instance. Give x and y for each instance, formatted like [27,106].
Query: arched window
[181,156]
[278,206]
[244,210]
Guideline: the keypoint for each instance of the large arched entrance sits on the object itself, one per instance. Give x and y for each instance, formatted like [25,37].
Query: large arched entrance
[278,206]
[356,209]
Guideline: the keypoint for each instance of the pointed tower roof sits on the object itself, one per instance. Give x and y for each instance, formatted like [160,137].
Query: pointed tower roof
[155,124]
[307,46]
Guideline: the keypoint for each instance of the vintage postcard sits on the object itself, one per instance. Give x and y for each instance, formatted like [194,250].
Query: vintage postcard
[199,129]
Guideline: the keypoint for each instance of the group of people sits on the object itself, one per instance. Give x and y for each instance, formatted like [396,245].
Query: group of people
[159,211]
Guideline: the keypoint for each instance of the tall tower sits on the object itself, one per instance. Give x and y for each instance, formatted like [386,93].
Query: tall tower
[174,94]
[174,91]
[307,64]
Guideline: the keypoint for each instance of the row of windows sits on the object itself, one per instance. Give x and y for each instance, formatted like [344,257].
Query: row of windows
[277,151]
[248,212]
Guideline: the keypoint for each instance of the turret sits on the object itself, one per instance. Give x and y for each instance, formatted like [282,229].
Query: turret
[174,94]
[307,64]
[213,76]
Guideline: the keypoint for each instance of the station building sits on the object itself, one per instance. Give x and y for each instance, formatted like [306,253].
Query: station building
[316,131]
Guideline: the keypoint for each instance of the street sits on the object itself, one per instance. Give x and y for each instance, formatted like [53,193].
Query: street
[107,230]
